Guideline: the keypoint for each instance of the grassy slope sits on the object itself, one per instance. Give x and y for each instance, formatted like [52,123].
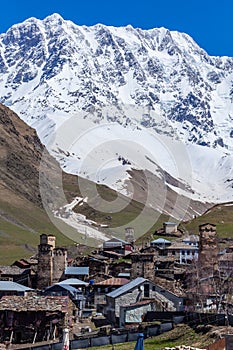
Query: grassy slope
[19,233]
[20,230]
[21,221]
[220,215]
[120,219]
[180,335]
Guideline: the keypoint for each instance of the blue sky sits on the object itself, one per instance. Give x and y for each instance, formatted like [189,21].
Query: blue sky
[208,22]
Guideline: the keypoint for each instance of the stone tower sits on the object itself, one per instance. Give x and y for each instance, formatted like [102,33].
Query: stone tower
[143,265]
[51,261]
[208,249]
[59,263]
[45,261]
[129,235]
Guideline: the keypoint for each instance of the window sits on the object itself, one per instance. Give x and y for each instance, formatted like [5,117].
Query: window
[146,290]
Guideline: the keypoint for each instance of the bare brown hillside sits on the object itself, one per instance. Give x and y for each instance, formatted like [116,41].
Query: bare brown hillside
[20,155]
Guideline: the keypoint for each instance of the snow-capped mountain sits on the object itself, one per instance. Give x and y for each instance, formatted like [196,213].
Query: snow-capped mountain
[125,98]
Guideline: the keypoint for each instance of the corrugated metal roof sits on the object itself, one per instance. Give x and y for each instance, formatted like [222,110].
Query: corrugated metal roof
[160,240]
[64,286]
[115,242]
[127,287]
[77,270]
[73,281]
[124,274]
[6,286]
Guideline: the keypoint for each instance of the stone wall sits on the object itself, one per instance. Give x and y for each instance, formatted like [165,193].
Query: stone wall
[143,265]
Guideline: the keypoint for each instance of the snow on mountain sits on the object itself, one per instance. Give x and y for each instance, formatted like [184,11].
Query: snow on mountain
[129,98]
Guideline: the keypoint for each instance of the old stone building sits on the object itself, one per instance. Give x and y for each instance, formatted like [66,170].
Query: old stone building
[52,261]
[143,265]
[208,249]
[139,290]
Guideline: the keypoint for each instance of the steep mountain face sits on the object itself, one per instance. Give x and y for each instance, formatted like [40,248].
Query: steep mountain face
[20,152]
[56,65]
[22,217]
[155,82]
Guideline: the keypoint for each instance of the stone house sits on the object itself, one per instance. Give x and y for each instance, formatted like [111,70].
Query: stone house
[76,295]
[26,263]
[34,318]
[118,245]
[97,264]
[140,289]
[169,227]
[25,276]
[107,286]
[225,262]
[119,267]
[133,314]
[143,265]
[182,253]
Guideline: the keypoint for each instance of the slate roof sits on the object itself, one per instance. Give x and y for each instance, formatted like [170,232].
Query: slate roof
[127,287]
[77,270]
[12,270]
[34,303]
[73,281]
[6,286]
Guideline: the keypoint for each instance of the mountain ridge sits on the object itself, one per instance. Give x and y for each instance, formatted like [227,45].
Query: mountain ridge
[145,81]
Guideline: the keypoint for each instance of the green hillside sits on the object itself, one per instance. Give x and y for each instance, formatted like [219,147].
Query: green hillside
[219,215]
